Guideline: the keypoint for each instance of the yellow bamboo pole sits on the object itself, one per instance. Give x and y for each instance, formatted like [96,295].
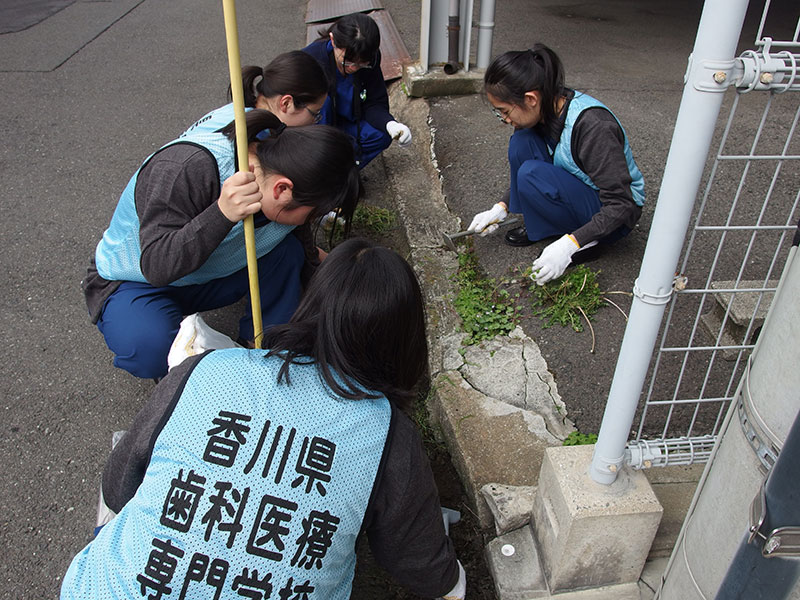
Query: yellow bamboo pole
[235,66]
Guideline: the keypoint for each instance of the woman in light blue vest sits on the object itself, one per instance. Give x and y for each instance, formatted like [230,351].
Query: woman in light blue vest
[175,245]
[573,175]
[292,86]
[252,473]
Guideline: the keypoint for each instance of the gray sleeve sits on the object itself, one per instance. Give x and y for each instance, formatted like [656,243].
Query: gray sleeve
[180,221]
[125,468]
[404,520]
[598,148]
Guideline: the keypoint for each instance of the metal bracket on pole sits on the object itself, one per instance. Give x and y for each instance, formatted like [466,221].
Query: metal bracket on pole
[753,70]
[765,71]
[781,541]
[710,75]
[653,298]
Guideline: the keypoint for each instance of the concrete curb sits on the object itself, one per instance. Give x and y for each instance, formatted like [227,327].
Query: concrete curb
[496,425]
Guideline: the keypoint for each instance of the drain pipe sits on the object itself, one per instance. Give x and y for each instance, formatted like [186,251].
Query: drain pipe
[485,33]
[453,30]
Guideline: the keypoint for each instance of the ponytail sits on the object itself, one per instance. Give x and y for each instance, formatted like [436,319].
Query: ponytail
[318,159]
[514,73]
[249,76]
[295,73]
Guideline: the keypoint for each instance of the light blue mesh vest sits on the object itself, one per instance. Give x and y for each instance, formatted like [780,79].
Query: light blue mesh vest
[118,254]
[562,155]
[251,486]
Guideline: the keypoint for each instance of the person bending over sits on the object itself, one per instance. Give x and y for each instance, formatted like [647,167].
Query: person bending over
[292,86]
[175,245]
[252,473]
[358,102]
[572,170]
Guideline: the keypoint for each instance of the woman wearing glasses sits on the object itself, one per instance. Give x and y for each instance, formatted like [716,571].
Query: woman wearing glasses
[572,171]
[357,99]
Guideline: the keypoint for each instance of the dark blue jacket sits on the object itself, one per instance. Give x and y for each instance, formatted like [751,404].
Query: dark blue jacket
[375,108]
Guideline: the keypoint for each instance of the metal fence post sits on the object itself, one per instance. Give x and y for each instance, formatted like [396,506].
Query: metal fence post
[710,67]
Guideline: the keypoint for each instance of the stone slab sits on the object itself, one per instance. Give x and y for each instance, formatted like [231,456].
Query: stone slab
[435,82]
[513,561]
[591,535]
[511,505]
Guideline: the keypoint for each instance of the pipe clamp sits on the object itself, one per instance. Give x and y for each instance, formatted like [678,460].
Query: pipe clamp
[765,445]
[781,541]
[648,298]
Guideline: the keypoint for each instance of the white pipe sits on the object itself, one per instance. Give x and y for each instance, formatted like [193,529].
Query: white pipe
[485,33]
[714,51]
[424,35]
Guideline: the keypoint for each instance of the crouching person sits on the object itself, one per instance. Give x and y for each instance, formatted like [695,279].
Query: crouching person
[253,472]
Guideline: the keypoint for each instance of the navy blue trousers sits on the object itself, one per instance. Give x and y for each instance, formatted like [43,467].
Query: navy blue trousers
[552,200]
[139,322]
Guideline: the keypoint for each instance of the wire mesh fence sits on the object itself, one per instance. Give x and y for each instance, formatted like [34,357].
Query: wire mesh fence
[744,220]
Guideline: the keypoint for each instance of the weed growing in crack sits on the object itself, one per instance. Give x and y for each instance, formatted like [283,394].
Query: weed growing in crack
[486,310]
[576,438]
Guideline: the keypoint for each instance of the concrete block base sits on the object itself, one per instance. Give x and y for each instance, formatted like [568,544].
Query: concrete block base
[514,563]
[591,535]
[435,82]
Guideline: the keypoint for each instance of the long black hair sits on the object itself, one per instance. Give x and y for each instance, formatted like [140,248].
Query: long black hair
[358,35]
[362,322]
[295,73]
[514,73]
[318,159]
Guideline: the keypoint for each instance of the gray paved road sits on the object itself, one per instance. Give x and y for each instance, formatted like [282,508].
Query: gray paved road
[95,87]
[86,95]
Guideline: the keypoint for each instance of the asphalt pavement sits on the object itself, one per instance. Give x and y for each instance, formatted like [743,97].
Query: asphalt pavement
[90,90]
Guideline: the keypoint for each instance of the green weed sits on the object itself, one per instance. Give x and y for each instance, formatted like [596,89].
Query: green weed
[568,300]
[366,220]
[372,218]
[485,309]
[576,438]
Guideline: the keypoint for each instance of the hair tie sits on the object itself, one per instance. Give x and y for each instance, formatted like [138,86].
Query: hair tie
[273,132]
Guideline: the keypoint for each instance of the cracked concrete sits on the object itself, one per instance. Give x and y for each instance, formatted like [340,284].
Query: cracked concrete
[496,403]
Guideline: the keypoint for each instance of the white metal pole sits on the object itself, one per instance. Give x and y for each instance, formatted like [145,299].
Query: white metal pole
[424,35]
[485,33]
[707,77]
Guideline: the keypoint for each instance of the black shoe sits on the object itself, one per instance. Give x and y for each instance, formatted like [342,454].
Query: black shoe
[589,255]
[518,237]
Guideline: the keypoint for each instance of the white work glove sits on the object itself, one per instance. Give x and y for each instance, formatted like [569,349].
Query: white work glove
[398,131]
[327,219]
[459,592]
[554,260]
[487,221]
